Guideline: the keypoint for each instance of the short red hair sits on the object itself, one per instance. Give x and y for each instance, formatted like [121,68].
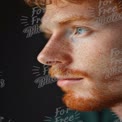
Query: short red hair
[43,3]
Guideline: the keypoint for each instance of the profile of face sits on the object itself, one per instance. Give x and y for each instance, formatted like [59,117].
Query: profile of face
[85,53]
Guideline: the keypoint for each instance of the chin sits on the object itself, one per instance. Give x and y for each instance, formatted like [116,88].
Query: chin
[95,103]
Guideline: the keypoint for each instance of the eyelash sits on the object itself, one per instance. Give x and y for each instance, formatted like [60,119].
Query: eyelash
[86,32]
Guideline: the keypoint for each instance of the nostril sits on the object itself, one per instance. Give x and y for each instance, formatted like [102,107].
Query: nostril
[49,62]
[52,62]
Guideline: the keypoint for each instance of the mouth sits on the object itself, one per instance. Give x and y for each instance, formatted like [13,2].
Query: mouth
[68,81]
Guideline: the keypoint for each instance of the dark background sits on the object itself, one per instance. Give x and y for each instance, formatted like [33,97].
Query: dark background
[20,99]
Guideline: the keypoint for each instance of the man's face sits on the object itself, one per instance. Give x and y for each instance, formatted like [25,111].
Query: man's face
[85,55]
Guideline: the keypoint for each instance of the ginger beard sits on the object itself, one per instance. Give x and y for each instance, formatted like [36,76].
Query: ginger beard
[82,98]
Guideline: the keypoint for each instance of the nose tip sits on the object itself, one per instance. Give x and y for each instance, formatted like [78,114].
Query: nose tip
[46,60]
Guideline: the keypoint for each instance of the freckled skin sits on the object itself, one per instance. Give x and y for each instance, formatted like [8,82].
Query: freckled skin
[88,53]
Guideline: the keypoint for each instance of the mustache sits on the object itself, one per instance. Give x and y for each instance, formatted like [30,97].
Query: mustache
[56,71]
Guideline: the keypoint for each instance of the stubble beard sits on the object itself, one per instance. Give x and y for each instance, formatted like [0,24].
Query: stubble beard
[99,100]
[101,96]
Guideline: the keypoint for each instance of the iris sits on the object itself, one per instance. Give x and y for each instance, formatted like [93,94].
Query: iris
[80,30]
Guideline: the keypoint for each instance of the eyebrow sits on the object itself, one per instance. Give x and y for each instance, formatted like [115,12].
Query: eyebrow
[74,18]
[64,21]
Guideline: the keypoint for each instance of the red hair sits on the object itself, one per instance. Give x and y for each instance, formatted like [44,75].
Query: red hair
[46,2]
[43,3]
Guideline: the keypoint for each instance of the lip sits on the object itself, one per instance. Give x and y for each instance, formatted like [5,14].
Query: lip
[67,82]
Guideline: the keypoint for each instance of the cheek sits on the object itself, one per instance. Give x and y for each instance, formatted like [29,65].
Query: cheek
[92,56]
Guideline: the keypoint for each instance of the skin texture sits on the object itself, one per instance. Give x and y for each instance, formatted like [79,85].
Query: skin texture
[89,55]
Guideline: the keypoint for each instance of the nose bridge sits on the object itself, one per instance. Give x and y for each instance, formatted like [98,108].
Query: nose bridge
[55,42]
[51,48]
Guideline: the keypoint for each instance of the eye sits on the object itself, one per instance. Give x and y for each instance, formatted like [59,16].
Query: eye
[80,30]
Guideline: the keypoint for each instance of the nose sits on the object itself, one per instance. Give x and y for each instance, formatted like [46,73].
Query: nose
[47,58]
[55,53]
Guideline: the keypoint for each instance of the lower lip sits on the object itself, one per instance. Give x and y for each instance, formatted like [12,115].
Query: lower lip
[62,83]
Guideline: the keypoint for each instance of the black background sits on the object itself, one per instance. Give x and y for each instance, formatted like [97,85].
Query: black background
[21,100]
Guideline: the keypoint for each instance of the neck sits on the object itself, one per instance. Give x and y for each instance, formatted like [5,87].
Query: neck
[118,110]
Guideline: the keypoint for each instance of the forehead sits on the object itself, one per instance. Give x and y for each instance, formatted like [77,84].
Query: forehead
[57,13]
